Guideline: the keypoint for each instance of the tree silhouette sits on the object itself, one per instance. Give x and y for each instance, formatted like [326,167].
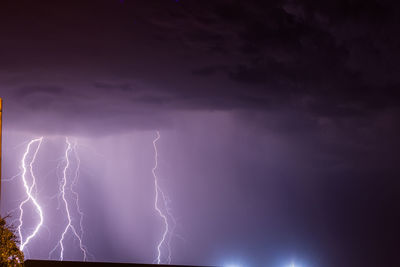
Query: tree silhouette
[10,255]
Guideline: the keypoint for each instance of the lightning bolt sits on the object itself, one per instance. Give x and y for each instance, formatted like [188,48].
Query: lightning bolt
[12,178]
[28,190]
[78,209]
[63,187]
[160,196]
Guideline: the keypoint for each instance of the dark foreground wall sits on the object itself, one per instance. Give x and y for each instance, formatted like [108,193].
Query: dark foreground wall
[39,263]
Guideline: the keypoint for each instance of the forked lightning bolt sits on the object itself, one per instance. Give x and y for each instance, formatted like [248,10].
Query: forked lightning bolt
[63,188]
[161,201]
[28,191]
[78,208]
[160,196]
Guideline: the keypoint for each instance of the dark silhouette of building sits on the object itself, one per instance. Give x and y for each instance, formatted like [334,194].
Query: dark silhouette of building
[42,263]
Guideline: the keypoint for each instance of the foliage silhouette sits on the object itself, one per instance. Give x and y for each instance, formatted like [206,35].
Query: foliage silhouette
[10,255]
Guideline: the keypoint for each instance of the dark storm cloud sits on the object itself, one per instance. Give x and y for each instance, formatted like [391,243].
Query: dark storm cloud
[210,70]
[123,87]
[32,90]
[340,56]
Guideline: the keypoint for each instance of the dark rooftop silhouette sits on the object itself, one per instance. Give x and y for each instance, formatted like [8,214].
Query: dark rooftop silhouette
[45,263]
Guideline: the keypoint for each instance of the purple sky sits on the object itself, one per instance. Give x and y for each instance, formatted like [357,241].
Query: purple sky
[279,125]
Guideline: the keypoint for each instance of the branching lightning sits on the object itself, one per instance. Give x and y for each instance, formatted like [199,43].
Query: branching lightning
[78,208]
[63,188]
[160,196]
[12,178]
[28,190]
[69,170]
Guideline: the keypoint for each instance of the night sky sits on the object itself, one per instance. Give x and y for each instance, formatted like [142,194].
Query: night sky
[279,127]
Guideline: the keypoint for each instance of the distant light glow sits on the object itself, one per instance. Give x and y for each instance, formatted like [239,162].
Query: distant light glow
[293,265]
